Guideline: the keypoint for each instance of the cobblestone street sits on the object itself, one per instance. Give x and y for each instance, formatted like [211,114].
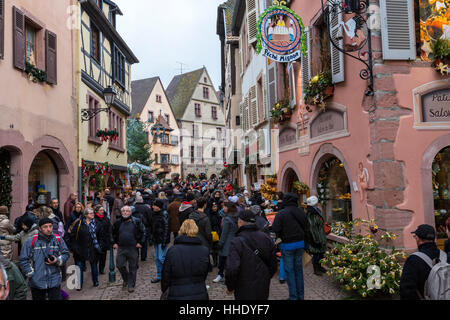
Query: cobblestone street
[316,288]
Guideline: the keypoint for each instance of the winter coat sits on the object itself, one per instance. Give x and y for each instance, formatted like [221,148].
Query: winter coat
[185,270]
[245,273]
[73,216]
[23,236]
[447,246]
[256,199]
[79,241]
[143,212]
[110,199]
[173,211]
[58,226]
[18,287]
[104,235]
[215,220]
[416,271]
[139,230]
[229,229]
[204,227]
[18,222]
[263,224]
[58,213]
[290,224]
[6,228]
[317,238]
[159,227]
[32,261]
[185,211]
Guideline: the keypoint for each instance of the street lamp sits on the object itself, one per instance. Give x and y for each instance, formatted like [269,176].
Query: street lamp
[109,95]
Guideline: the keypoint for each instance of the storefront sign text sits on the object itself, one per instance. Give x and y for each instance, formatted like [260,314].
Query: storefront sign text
[436,106]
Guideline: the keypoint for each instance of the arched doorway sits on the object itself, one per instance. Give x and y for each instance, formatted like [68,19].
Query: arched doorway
[289,178]
[43,179]
[441,195]
[6,183]
[334,190]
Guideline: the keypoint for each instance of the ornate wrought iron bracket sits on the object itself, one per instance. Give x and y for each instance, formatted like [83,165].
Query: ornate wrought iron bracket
[88,114]
[361,52]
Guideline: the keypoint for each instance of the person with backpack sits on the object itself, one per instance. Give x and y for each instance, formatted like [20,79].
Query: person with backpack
[423,275]
[251,262]
[41,260]
[290,226]
[128,238]
[143,212]
[159,225]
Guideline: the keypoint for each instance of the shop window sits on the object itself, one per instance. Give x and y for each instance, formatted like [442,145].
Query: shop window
[441,183]
[334,193]
[432,22]
[42,180]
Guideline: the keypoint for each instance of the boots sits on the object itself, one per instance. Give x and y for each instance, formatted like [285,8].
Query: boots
[316,269]
[322,269]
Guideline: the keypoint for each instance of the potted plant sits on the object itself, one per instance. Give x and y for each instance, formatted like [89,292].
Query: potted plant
[319,89]
[281,111]
[441,54]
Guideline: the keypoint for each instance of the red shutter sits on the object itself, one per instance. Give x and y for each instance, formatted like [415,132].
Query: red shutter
[19,38]
[2,28]
[50,57]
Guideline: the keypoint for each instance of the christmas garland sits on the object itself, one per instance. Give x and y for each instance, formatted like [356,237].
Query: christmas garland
[101,170]
[34,73]
[105,135]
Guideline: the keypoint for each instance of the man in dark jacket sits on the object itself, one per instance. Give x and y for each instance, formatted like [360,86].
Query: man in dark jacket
[143,212]
[251,262]
[54,204]
[290,225]
[110,200]
[203,223]
[128,237]
[159,226]
[68,205]
[186,208]
[18,288]
[416,270]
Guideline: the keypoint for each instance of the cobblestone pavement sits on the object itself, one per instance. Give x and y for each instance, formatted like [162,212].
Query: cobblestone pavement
[316,288]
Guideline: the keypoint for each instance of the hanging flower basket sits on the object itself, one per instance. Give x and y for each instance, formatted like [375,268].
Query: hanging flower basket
[281,111]
[319,89]
[441,54]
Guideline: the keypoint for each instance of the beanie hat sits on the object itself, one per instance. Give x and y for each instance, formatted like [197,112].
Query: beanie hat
[190,197]
[247,216]
[45,221]
[256,210]
[312,201]
[159,203]
[4,210]
[28,221]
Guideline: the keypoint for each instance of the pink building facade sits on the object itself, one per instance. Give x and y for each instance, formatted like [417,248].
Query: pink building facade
[38,131]
[384,156]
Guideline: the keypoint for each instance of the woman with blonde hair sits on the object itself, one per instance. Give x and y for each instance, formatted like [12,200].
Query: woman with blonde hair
[186,266]
[162,195]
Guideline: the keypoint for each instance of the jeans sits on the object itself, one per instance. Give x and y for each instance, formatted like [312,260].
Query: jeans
[222,264]
[94,271]
[41,294]
[282,273]
[160,255]
[127,255]
[293,266]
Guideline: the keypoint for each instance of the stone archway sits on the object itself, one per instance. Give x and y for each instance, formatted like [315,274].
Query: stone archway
[427,180]
[289,174]
[326,153]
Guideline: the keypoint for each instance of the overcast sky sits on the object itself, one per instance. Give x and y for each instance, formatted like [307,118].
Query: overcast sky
[164,32]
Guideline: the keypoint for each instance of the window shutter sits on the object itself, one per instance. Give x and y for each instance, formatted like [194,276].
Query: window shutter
[253,106]
[50,57]
[2,28]
[306,62]
[19,38]
[265,108]
[272,80]
[241,61]
[252,21]
[337,57]
[397,29]
[292,85]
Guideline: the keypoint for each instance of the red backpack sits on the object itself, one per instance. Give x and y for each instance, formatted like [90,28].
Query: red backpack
[35,237]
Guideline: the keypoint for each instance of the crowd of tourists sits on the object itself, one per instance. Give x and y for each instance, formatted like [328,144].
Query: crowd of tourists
[195,228]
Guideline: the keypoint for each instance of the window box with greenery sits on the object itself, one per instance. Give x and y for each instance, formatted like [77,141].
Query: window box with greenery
[441,54]
[318,90]
[281,111]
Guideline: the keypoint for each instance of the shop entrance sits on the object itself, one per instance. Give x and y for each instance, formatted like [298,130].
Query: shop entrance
[289,178]
[333,191]
[43,180]
[441,196]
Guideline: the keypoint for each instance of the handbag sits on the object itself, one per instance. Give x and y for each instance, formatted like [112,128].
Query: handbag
[215,236]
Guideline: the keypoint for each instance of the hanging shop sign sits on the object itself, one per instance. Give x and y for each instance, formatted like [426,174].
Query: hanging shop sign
[280,34]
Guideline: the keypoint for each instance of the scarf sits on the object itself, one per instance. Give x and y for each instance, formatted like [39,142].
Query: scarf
[93,235]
